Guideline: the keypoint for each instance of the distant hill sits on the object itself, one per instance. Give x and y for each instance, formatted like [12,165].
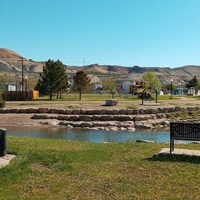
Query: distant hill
[10,61]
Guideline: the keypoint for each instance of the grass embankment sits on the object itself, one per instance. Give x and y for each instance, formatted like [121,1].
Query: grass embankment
[59,169]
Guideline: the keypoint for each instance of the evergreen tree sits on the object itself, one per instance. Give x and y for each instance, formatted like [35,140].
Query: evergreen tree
[53,79]
[81,82]
[62,83]
[193,83]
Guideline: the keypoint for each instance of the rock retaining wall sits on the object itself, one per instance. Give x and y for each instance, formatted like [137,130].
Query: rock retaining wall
[102,119]
[99,111]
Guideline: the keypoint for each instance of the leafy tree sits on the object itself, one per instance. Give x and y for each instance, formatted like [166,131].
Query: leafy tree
[32,82]
[170,86]
[151,81]
[5,78]
[81,82]
[193,83]
[53,79]
[2,101]
[110,85]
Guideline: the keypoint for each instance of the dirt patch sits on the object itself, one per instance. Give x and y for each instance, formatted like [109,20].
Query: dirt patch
[23,120]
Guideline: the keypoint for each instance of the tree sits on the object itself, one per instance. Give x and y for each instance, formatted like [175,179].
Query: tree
[110,85]
[198,86]
[81,82]
[62,84]
[170,86]
[32,82]
[193,83]
[6,78]
[53,79]
[151,81]
[2,101]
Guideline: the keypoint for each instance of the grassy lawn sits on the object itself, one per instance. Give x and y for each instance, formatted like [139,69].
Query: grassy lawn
[99,97]
[90,97]
[60,169]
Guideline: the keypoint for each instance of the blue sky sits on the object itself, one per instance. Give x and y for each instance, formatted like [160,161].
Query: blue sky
[148,33]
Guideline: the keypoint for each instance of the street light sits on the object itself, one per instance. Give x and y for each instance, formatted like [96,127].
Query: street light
[171,88]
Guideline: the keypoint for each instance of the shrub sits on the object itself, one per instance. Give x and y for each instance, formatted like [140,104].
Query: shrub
[2,101]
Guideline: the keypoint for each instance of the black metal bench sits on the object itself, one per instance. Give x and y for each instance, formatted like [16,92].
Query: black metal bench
[183,131]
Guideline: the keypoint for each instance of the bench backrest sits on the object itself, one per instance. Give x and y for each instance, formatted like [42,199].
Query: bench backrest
[185,131]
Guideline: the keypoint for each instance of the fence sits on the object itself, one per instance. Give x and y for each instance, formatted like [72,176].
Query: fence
[20,95]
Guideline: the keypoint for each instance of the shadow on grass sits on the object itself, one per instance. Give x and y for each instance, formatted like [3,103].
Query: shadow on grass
[175,158]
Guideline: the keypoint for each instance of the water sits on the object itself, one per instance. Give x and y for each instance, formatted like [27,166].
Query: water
[91,135]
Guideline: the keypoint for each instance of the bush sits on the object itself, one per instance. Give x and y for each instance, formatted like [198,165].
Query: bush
[2,101]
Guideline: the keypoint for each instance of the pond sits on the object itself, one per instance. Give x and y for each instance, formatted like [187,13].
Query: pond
[91,135]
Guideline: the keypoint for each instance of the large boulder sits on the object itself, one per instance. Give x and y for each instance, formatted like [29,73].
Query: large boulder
[111,102]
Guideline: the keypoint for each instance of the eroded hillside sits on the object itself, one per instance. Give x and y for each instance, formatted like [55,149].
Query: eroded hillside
[11,62]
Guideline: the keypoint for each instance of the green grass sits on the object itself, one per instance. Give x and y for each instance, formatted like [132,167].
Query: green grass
[27,104]
[167,97]
[59,169]
[99,97]
[182,115]
[89,97]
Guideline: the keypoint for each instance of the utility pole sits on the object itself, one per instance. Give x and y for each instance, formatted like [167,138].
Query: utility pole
[22,60]
[171,88]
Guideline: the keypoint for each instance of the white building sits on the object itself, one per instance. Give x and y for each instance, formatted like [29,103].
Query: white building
[191,91]
[126,85]
[9,86]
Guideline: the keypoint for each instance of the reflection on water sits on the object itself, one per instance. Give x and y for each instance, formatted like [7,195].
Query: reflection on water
[91,135]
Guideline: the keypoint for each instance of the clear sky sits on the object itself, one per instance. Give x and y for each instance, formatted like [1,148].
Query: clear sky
[148,33]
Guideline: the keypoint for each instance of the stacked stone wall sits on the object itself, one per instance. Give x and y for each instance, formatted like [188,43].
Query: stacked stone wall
[116,119]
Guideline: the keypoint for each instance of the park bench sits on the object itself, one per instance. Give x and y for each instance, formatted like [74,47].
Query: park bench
[183,131]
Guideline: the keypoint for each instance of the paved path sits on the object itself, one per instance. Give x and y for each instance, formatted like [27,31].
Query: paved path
[181,152]
[6,159]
